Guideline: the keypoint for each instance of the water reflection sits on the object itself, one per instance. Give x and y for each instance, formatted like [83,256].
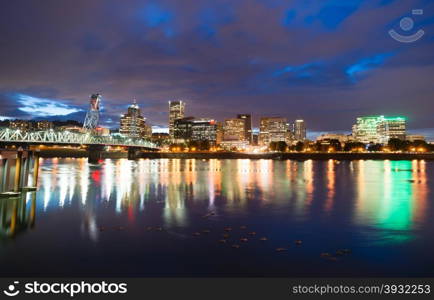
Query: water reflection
[14,215]
[389,196]
[331,182]
[88,215]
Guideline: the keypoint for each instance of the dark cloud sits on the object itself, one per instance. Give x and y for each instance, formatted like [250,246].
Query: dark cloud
[325,61]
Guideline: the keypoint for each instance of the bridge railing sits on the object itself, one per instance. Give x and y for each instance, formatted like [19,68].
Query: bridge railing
[67,137]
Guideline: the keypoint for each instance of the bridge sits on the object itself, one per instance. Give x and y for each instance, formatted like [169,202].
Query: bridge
[19,165]
[95,143]
[70,138]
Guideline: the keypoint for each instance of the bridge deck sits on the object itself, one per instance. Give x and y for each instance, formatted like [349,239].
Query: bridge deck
[70,138]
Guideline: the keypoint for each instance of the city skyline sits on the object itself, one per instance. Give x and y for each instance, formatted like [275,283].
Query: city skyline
[178,108]
[215,56]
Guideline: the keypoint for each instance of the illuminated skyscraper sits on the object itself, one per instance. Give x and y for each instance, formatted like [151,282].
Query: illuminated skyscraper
[219,132]
[234,129]
[176,111]
[234,134]
[204,129]
[247,126]
[379,129]
[195,130]
[392,128]
[273,129]
[299,130]
[365,129]
[133,124]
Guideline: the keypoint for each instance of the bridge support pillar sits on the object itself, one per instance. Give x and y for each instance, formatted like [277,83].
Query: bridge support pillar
[95,153]
[133,153]
[18,168]
[5,175]
[36,156]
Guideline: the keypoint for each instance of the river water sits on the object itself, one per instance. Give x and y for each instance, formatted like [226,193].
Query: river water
[169,217]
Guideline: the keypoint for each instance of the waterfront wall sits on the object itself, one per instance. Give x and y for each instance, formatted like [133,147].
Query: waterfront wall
[292,156]
[80,153]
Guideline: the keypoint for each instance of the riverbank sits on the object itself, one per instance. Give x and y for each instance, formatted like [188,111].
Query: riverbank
[292,155]
[82,153]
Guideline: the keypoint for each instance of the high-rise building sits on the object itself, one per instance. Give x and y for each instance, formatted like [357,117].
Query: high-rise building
[176,111]
[391,128]
[204,129]
[299,130]
[235,134]
[365,129]
[182,129]
[133,124]
[234,129]
[191,129]
[247,126]
[273,129]
[379,129]
[219,132]
[255,139]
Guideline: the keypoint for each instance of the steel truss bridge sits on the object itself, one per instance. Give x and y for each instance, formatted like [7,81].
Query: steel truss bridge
[70,138]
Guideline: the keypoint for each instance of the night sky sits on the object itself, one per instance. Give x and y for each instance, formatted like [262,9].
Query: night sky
[325,61]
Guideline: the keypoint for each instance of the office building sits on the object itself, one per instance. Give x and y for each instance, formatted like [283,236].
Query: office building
[273,129]
[133,124]
[219,132]
[248,134]
[365,129]
[379,129]
[299,130]
[204,129]
[255,139]
[234,129]
[176,111]
[391,128]
[192,129]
